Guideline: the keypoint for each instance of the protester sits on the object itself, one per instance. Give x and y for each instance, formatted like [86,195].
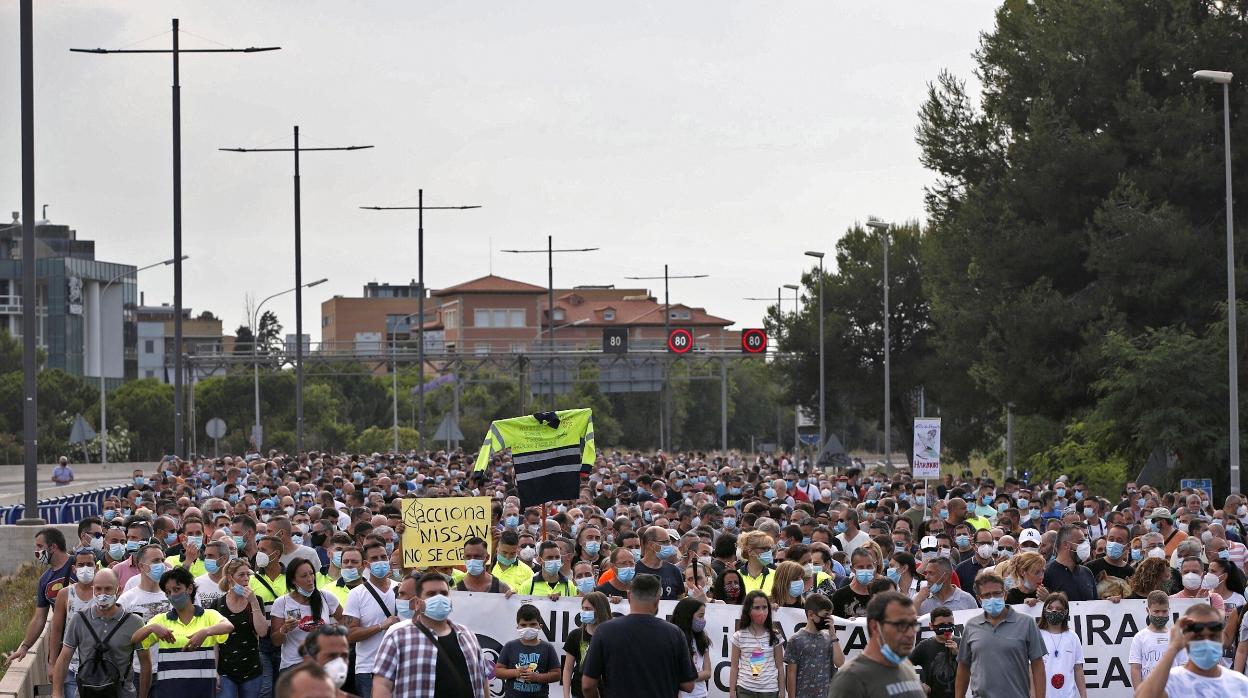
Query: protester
[657,552]
[756,548]
[529,664]
[550,581]
[104,624]
[813,654]
[1199,632]
[728,587]
[1063,658]
[882,671]
[188,636]
[757,669]
[941,589]
[70,600]
[432,657]
[1066,573]
[639,639]
[300,610]
[477,578]
[305,681]
[937,656]
[1002,652]
[239,655]
[690,617]
[594,612]
[790,585]
[369,611]
[1150,643]
[49,550]
[327,647]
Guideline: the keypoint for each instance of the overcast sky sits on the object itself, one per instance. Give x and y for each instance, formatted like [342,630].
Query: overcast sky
[723,138]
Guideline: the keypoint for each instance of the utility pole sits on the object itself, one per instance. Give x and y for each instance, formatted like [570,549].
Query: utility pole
[420,208]
[298,271]
[176,51]
[30,405]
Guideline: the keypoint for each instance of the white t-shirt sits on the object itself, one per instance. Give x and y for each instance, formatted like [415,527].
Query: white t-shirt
[294,639]
[206,590]
[1147,648]
[850,545]
[362,606]
[756,669]
[304,552]
[146,605]
[1062,653]
[1185,684]
[699,687]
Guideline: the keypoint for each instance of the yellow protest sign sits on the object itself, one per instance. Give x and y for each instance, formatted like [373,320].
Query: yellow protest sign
[435,528]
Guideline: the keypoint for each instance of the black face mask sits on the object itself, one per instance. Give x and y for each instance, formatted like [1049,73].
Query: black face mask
[318,540]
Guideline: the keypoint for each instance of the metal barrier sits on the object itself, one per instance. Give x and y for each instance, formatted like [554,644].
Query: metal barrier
[66,509]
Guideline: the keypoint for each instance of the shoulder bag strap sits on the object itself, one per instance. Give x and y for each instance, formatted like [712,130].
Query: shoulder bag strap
[377,598]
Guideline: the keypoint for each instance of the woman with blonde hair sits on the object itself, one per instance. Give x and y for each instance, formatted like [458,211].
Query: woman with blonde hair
[1028,573]
[239,663]
[1152,574]
[791,585]
[755,548]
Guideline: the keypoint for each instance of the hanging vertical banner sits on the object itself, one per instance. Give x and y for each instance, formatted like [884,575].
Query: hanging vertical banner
[926,448]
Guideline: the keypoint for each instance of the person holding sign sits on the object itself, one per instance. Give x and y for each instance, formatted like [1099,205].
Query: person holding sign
[1199,632]
[477,579]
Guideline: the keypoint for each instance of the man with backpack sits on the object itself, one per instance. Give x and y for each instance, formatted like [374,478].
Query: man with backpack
[100,636]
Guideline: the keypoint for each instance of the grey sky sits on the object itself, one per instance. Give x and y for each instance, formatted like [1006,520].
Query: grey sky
[720,137]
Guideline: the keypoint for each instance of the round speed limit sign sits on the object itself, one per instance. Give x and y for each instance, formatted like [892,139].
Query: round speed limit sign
[680,341]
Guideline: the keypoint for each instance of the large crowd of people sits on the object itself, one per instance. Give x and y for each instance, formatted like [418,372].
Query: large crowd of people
[270,575]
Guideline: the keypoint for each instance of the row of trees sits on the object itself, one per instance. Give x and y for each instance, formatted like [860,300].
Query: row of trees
[1073,262]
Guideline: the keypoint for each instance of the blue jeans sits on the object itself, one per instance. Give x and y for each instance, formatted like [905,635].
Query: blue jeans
[364,685]
[71,684]
[240,689]
[270,660]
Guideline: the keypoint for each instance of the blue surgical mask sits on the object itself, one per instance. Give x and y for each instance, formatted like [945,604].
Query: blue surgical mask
[894,574]
[636,555]
[211,566]
[511,521]
[730,522]
[116,550]
[587,617]
[839,527]
[626,574]
[1022,503]
[506,561]
[350,574]
[239,589]
[769,493]
[379,569]
[241,544]
[1061,492]
[438,608]
[962,541]
[1002,506]
[406,612]
[935,588]
[667,552]
[864,576]
[986,499]
[1088,512]
[1204,653]
[1114,550]
[552,567]
[336,558]
[196,542]
[891,656]
[474,567]
[585,585]
[766,558]
[944,514]
[156,570]
[1140,502]
[994,608]
[1136,554]
[306,591]
[297,539]
[796,587]
[1224,554]
[592,547]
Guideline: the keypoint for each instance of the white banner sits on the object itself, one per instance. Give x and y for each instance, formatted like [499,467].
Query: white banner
[1104,628]
[926,449]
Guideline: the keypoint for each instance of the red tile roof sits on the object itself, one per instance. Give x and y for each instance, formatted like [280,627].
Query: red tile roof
[490,284]
[629,313]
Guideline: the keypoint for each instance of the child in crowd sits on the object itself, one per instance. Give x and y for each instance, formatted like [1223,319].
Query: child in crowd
[937,656]
[757,651]
[529,664]
[813,654]
[1150,643]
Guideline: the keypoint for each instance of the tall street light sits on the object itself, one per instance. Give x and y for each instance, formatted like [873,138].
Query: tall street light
[797,309]
[99,349]
[176,51]
[298,272]
[822,388]
[30,386]
[667,333]
[257,433]
[1222,78]
[550,299]
[882,228]
[420,207]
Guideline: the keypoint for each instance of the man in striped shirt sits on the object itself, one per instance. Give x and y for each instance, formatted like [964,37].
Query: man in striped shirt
[188,636]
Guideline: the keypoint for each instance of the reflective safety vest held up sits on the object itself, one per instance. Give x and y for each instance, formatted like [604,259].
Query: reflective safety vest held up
[549,452]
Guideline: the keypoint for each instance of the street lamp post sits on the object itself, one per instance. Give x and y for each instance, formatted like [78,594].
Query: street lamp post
[420,207]
[822,388]
[666,403]
[550,300]
[176,51]
[1224,79]
[882,228]
[298,272]
[99,349]
[257,435]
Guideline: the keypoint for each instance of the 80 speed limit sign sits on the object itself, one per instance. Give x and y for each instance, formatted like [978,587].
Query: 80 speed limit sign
[680,341]
[753,341]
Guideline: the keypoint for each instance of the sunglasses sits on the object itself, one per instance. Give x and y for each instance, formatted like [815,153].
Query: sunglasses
[943,629]
[1213,626]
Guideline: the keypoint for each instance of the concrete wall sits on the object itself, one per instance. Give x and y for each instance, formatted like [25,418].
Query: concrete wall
[17,544]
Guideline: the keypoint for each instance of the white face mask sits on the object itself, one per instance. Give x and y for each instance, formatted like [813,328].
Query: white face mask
[337,670]
[1209,582]
[1159,553]
[85,575]
[262,560]
[1191,581]
[986,550]
[528,634]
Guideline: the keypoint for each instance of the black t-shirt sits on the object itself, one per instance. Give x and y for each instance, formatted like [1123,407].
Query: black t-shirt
[937,665]
[574,649]
[671,581]
[240,653]
[1016,596]
[847,603]
[451,680]
[1100,565]
[638,655]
